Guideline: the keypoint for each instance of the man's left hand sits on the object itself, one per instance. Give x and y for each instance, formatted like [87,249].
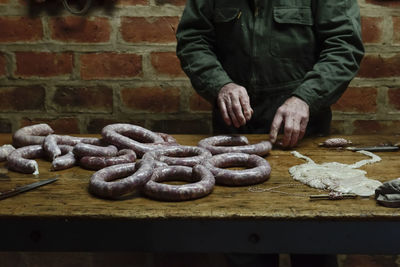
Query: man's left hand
[293,115]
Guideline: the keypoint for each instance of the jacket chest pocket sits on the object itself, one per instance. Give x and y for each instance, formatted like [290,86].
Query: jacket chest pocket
[227,25]
[292,33]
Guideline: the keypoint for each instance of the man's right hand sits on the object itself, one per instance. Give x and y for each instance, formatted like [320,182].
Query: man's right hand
[234,104]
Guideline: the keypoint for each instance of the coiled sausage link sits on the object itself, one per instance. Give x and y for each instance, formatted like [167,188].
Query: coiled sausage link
[132,137]
[65,160]
[168,138]
[31,135]
[201,183]
[97,163]
[232,143]
[258,169]
[5,150]
[82,150]
[179,155]
[52,141]
[118,180]
[21,159]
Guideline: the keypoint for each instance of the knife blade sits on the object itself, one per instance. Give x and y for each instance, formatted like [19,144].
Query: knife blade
[27,187]
[374,148]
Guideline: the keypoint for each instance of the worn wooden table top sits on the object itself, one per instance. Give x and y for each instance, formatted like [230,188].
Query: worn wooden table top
[69,197]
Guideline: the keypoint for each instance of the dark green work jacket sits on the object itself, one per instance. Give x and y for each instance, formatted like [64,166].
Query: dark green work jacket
[275,49]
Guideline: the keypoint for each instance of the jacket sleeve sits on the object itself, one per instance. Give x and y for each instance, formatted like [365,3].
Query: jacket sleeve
[338,30]
[196,52]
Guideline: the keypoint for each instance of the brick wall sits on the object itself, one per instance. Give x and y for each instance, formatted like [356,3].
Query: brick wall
[372,101]
[118,64]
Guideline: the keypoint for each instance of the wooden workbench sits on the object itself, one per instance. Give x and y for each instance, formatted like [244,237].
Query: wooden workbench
[64,216]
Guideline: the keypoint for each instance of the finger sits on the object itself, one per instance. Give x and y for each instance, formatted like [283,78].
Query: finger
[224,112]
[237,110]
[287,133]
[275,126]
[303,128]
[231,114]
[294,139]
[247,110]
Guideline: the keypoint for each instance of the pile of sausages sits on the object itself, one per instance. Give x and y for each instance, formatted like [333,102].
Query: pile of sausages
[129,158]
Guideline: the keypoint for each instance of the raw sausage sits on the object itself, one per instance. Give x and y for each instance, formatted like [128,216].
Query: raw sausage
[179,155]
[31,135]
[82,150]
[201,183]
[5,150]
[335,142]
[232,143]
[20,160]
[258,169]
[52,141]
[133,137]
[168,138]
[97,163]
[65,160]
[118,180]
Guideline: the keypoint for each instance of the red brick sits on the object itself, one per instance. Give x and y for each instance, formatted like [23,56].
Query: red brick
[97,124]
[3,65]
[60,125]
[167,63]
[81,99]
[22,98]
[379,66]
[396,30]
[357,99]
[44,64]
[9,259]
[372,29]
[197,103]
[133,2]
[152,99]
[59,259]
[80,29]
[171,2]
[189,259]
[384,3]
[105,259]
[110,65]
[149,29]
[394,97]
[370,261]
[376,127]
[20,29]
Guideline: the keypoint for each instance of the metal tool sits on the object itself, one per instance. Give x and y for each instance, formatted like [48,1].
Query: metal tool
[25,188]
[374,148]
[332,196]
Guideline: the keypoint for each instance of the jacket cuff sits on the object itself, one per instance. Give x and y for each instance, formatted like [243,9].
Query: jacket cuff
[209,87]
[313,101]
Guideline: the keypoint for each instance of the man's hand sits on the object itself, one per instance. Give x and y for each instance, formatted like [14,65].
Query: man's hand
[293,115]
[234,104]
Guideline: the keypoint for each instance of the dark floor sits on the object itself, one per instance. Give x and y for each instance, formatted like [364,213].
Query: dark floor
[125,259]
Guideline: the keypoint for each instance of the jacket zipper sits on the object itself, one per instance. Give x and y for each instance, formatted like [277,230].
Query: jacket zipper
[256,11]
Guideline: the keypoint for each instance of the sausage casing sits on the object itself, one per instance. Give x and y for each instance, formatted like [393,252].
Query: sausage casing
[118,180]
[179,155]
[257,169]
[201,183]
[232,143]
